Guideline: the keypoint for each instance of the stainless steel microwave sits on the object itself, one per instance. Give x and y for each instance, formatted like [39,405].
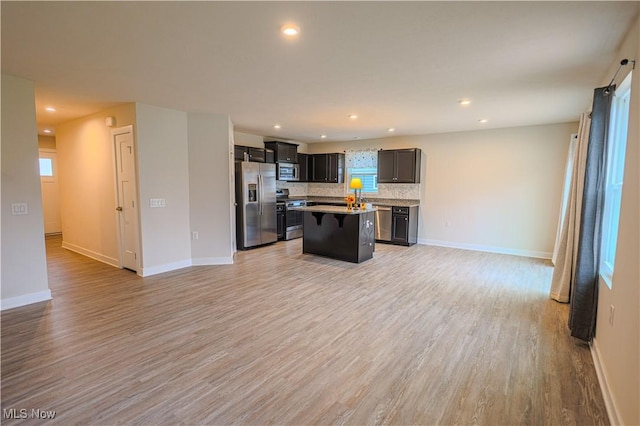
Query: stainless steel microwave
[288,172]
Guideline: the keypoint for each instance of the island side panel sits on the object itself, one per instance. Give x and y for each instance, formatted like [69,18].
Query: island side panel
[367,237]
[334,235]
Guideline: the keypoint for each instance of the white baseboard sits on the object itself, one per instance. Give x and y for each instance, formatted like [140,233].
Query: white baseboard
[609,404]
[92,254]
[209,261]
[25,299]
[490,249]
[167,267]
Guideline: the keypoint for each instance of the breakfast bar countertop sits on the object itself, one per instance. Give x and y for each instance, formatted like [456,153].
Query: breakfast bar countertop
[335,209]
[376,201]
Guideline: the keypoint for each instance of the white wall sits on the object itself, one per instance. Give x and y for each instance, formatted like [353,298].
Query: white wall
[496,190]
[46,142]
[24,267]
[87,183]
[616,347]
[247,139]
[209,166]
[163,172]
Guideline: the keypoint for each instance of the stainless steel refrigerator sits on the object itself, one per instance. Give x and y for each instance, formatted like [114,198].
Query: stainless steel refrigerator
[256,222]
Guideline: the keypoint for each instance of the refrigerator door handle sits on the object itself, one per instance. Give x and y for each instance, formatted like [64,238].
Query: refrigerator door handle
[260,189]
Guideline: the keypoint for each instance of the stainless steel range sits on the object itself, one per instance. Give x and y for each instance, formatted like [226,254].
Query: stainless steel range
[291,220]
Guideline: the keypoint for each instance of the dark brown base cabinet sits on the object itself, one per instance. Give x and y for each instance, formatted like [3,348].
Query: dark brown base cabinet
[399,166]
[404,225]
[348,237]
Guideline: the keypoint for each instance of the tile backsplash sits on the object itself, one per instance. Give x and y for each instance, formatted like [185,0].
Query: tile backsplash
[398,191]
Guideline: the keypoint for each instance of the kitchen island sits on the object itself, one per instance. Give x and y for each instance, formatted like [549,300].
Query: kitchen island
[339,233]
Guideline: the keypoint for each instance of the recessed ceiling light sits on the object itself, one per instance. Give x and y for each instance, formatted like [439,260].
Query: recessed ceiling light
[50,109]
[391,129]
[323,136]
[47,131]
[353,116]
[290,30]
[464,101]
[482,121]
[277,126]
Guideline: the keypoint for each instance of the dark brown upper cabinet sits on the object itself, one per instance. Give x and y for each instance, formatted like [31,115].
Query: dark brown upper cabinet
[303,162]
[327,168]
[399,166]
[284,152]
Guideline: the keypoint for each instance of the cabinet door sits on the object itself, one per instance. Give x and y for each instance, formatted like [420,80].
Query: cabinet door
[340,165]
[400,228]
[238,152]
[289,153]
[284,152]
[303,161]
[406,166]
[386,167]
[319,168]
[257,154]
[332,167]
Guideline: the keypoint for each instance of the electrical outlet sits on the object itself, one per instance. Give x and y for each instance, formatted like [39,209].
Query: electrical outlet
[612,311]
[194,235]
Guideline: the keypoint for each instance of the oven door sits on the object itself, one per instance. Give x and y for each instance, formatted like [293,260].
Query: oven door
[294,220]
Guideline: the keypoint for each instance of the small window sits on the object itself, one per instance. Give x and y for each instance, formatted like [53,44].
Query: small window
[363,164]
[616,147]
[368,176]
[46,167]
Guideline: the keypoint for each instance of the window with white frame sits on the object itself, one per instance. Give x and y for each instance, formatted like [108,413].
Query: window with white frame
[616,147]
[363,164]
[46,167]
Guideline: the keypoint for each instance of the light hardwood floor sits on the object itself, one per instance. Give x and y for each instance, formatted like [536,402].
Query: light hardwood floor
[419,335]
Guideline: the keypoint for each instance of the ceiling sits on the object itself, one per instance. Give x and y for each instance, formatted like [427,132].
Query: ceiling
[401,65]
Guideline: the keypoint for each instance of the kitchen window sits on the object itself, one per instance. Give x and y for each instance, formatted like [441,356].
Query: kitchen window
[363,164]
[368,176]
[616,147]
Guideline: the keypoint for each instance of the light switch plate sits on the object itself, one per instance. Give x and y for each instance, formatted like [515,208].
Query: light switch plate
[157,202]
[19,208]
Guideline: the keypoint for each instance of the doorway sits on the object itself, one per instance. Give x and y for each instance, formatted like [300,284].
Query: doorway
[126,193]
[50,191]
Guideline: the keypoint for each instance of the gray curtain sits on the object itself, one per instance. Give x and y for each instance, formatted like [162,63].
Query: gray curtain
[584,289]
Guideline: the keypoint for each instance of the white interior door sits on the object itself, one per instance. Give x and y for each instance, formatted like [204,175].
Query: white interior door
[127,197]
[50,191]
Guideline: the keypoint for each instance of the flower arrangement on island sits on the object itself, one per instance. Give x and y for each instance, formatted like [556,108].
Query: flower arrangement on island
[350,199]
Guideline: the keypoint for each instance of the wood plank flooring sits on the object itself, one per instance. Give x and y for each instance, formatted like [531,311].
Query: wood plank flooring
[419,335]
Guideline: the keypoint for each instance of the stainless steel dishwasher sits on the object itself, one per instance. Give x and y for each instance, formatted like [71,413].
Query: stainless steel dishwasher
[383,223]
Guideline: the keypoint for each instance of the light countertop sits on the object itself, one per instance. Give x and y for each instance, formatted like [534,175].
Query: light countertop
[376,201]
[334,209]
